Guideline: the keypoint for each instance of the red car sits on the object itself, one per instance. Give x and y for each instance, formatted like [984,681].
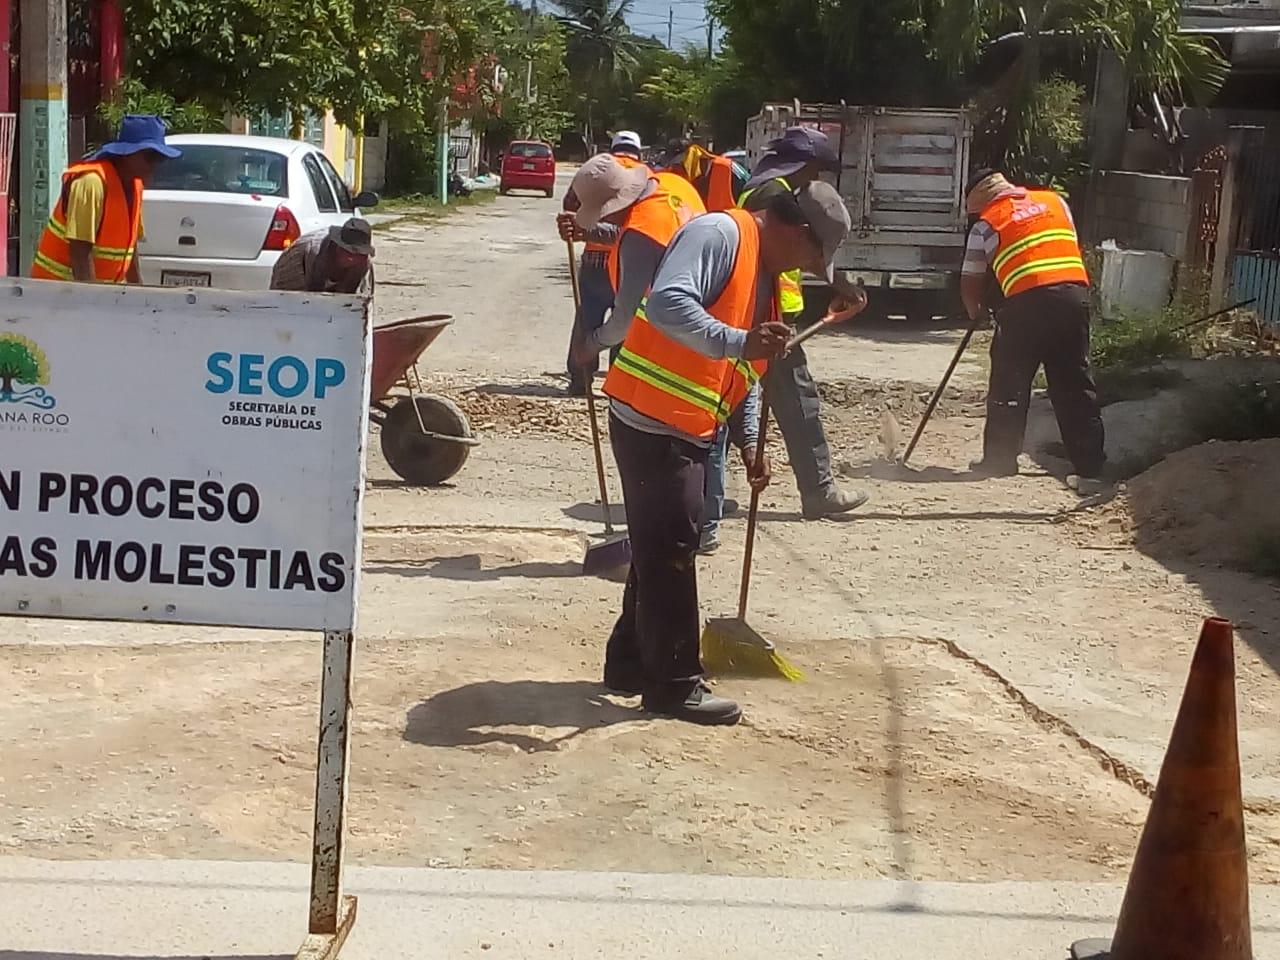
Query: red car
[528,165]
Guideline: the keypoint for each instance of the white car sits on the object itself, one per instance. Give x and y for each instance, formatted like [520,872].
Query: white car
[222,213]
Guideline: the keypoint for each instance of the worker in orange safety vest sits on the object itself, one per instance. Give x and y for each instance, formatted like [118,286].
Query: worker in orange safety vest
[596,293]
[92,233]
[691,356]
[717,179]
[1027,238]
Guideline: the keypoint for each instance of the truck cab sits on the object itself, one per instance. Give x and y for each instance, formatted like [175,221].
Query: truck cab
[902,177]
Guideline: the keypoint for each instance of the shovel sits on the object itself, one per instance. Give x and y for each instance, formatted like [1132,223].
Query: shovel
[611,558]
[937,394]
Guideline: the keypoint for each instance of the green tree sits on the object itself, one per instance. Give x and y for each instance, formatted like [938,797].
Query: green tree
[681,91]
[21,361]
[863,51]
[134,97]
[1145,35]
[601,50]
[238,54]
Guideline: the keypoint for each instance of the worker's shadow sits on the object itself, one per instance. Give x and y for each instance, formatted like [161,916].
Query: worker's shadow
[880,469]
[531,715]
[594,513]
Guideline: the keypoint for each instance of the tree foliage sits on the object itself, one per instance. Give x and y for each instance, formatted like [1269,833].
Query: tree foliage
[862,51]
[1144,34]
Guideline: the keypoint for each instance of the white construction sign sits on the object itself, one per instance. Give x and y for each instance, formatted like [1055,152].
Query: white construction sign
[192,457]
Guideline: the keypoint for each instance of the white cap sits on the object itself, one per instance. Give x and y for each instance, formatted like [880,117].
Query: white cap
[626,140]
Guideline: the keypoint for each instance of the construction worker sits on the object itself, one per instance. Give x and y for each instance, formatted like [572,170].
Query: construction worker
[794,160]
[595,290]
[717,179]
[707,327]
[653,206]
[1027,238]
[336,260]
[92,234]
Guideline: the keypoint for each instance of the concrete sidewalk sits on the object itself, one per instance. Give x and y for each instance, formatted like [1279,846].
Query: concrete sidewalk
[82,910]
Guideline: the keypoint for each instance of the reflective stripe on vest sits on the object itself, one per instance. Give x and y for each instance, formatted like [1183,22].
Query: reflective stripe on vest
[117,241]
[790,290]
[675,385]
[1037,243]
[658,216]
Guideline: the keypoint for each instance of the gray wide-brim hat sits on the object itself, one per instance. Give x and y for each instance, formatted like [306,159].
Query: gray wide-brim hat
[604,186]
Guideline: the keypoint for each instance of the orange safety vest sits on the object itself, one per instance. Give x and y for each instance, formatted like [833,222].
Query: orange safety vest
[117,241]
[719,184]
[1037,242]
[623,161]
[680,387]
[659,215]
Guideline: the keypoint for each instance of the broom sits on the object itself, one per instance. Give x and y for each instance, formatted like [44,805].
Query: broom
[611,558]
[729,644]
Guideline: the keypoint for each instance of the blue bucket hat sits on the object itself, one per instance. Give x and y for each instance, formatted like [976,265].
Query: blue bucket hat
[138,132]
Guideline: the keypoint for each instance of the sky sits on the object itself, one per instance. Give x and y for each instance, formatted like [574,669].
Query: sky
[649,18]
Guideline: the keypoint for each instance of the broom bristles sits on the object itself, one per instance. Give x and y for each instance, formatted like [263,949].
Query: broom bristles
[722,654]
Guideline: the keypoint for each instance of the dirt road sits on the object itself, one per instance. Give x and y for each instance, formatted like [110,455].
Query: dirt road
[991,683]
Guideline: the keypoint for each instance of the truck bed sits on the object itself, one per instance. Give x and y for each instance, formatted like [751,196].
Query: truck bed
[902,176]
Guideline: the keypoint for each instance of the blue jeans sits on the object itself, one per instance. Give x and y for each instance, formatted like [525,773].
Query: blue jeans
[713,490]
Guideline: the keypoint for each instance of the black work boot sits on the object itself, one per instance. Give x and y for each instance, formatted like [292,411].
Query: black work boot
[700,706]
[832,501]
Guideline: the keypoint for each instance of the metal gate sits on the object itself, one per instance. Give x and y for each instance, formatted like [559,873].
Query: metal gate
[1255,262]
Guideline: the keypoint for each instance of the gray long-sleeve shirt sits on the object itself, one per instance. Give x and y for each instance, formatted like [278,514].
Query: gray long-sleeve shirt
[691,276]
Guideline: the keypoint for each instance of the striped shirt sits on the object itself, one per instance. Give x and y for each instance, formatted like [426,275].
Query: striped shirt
[983,242]
[301,267]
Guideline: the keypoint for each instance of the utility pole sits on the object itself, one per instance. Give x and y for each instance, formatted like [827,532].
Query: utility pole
[42,117]
[528,67]
[711,35]
[671,22]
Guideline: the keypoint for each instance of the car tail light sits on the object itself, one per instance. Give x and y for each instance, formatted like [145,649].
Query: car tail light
[284,230]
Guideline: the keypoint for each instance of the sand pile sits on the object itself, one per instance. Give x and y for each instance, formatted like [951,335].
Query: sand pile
[1210,503]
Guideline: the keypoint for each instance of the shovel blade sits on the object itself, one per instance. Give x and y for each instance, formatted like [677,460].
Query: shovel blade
[610,559]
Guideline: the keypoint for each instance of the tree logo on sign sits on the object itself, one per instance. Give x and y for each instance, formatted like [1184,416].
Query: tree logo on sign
[24,372]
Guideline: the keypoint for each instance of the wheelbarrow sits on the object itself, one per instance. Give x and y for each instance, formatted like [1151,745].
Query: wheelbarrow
[425,438]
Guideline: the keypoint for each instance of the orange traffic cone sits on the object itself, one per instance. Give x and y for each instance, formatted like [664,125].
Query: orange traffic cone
[1188,892]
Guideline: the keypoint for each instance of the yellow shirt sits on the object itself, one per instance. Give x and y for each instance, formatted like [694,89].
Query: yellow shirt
[85,200]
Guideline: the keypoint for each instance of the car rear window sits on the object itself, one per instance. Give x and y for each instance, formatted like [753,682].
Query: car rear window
[530,150]
[225,169]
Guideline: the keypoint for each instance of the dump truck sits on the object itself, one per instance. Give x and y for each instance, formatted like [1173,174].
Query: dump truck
[903,171]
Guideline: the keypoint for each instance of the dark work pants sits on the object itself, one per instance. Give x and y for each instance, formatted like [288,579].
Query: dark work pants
[597,298]
[656,637]
[1049,326]
[794,404]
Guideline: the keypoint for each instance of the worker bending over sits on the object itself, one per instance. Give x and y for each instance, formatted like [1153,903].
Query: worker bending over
[645,209]
[1028,239]
[688,360]
[336,260]
[92,233]
[794,160]
[595,290]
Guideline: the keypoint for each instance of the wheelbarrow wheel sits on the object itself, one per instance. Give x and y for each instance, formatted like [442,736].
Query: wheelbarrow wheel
[421,460]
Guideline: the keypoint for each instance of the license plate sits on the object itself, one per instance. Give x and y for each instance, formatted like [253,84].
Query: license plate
[531,166]
[179,278]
